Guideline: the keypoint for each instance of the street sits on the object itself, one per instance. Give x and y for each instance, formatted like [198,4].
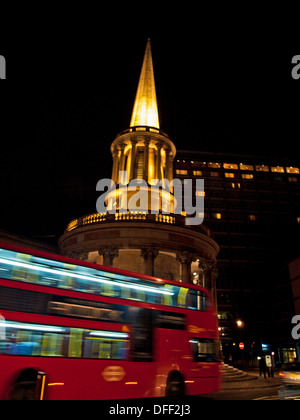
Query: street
[265,394]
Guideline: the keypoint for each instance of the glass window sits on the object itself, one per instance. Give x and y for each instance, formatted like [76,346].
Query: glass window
[247,176]
[217,216]
[229,175]
[246,167]
[215,174]
[200,164]
[230,166]
[292,179]
[197,173]
[200,193]
[196,299]
[262,168]
[214,165]
[27,339]
[277,169]
[291,170]
[181,172]
[204,350]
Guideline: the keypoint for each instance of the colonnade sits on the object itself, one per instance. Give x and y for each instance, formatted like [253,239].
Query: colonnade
[146,159]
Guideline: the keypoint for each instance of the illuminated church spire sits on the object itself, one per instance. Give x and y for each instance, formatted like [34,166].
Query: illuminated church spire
[145,111]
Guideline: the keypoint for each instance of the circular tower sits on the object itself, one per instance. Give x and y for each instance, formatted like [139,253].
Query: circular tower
[149,237]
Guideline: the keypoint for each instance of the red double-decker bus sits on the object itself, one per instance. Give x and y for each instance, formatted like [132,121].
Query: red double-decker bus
[75,330]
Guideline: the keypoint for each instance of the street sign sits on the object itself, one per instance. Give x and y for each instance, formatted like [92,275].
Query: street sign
[241,346]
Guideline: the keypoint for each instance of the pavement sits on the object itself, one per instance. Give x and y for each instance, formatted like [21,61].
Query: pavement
[253,381]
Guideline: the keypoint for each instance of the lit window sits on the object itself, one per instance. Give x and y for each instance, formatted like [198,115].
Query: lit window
[200,164]
[200,194]
[214,165]
[293,179]
[252,217]
[215,174]
[277,169]
[197,173]
[230,166]
[229,175]
[298,219]
[235,185]
[291,170]
[247,176]
[246,167]
[181,172]
[217,216]
[262,168]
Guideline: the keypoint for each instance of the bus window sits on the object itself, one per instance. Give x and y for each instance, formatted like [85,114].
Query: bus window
[25,339]
[2,328]
[196,299]
[142,321]
[204,350]
[106,345]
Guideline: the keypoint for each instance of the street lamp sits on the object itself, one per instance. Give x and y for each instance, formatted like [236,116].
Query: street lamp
[240,324]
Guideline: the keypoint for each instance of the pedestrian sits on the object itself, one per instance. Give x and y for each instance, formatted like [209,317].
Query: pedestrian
[262,366]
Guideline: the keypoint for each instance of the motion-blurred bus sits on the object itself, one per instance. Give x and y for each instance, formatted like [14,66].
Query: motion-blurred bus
[75,330]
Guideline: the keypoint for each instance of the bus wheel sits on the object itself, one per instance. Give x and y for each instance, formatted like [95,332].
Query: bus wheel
[24,387]
[175,385]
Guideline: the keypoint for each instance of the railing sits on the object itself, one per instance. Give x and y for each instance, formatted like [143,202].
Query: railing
[134,216]
[143,128]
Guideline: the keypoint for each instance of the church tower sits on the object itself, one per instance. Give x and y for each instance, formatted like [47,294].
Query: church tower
[143,151]
[148,240]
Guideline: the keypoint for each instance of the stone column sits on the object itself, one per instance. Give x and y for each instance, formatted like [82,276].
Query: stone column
[115,166]
[132,162]
[210,274]
[158,161]
[149,255]
[146,158]
[185,258]
[170,171]
[109,253]
[122,160]
[168,162]
[79,254]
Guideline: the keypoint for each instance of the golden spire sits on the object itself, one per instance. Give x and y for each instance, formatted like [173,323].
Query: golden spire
[145,106]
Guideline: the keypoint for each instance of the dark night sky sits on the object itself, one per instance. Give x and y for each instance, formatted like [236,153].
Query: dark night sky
[222,85]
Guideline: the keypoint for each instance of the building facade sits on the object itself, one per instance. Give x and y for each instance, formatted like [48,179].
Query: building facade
[294,268]
[252,205]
